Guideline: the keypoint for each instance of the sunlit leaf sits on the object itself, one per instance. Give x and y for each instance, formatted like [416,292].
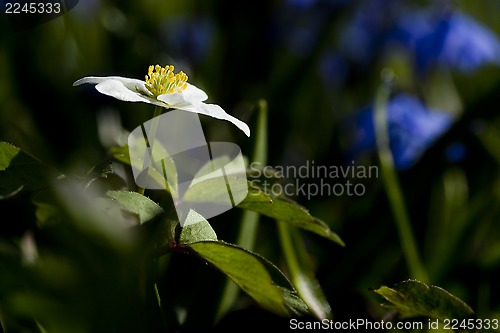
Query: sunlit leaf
[287,211]
[413,298]
[197,232]
[138,204]
[258,277]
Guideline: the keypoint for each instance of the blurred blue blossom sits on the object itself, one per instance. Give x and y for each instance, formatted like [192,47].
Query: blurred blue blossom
[437,36]
[304,4]
[412,129]
[447,38]
[365,33]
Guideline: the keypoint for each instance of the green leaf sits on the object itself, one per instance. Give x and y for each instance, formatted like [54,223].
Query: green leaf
[413,298]
[258,277]
[135,203]
[287,211]
[197,232]
[20,171]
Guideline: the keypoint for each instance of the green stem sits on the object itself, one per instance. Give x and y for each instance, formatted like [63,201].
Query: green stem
[160,305]
[247,233]
[154,127]
[300,271]
[152,135]
[292,262]
[158,111]
[393,188]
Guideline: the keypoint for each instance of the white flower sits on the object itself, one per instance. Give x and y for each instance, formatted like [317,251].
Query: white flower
[162,88]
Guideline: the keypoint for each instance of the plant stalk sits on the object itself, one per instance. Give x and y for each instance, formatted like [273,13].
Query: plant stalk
[393,187]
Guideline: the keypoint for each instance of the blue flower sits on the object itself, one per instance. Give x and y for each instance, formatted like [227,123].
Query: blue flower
[364,35]
[450,39]
[412,129]
[306,4]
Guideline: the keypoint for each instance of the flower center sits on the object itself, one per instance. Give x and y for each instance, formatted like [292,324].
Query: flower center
[162,80]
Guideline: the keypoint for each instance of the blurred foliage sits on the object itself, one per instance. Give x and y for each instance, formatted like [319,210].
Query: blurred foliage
[315,63]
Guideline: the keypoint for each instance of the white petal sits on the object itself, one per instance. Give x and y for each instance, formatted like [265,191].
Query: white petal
[122,88]
[119,91]
[194,95]
[189,96]
[216,111]
[132,84]
[176,100]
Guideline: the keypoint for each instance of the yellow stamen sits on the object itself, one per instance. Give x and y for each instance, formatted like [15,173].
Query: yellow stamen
[162,80]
